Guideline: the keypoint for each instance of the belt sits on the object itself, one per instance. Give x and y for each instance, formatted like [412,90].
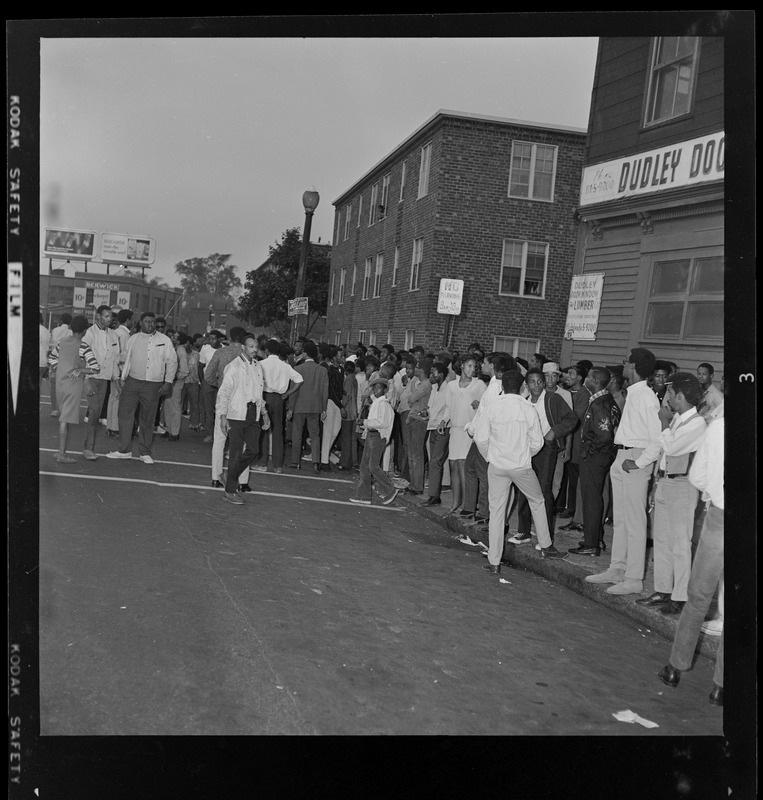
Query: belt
[624,447]
[661,474]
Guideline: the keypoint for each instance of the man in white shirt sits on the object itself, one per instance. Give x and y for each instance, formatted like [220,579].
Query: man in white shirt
[281,381]
[638,444]
[124,315]
[675,498]
[147,374]
[712,396]
[706,474]
[61,331]
[104,343]
[508,434]
[241,409]
[209,392]
[438,429]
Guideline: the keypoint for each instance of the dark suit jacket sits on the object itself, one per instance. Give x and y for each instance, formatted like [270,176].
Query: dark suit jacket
[313,393]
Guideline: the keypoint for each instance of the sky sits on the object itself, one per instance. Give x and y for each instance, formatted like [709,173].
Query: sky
[208,144]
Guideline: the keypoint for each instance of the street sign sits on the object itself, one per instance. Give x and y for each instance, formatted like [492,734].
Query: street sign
[450,296]
[297,306]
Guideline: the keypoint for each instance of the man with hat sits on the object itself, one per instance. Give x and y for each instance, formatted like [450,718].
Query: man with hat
[377,429]
[637,442]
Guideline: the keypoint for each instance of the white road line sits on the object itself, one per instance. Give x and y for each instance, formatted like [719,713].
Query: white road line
[210,489]
[209,467]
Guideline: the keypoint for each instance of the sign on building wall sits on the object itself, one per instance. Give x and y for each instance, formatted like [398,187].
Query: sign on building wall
[123,299]
[80,293]
[583,306]
[119,248]
[68,243]
[450,296]
[670,167]
[297,306]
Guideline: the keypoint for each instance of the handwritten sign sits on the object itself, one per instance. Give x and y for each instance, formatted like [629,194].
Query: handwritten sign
[583,306]
[450,296]
[297,306]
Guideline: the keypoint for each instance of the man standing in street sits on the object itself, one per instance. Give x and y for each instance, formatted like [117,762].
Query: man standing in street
[675,498]
[148,372]
[208,393]
[638,444]
[308,407]
[61,331]
[597,438]
[418,405]
[104,343]
[333,423]
[438,422]
[712,396]
[241,411]
[123,316]
[508,434]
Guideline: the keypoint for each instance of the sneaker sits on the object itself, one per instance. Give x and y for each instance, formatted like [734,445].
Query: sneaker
[117,454]
[89,455]
[713,627]
[259,468]
[103,422]
[147,459]
[390,498]
[233,497]
[521,538]
[360,502]
[551,552]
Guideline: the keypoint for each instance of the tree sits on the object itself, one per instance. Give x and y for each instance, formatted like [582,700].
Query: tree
[211,274]
[158,283]
[267,290]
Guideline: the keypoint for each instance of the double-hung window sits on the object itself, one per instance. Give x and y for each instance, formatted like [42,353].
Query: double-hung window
[354,278]
[418,256]
[367,279]
[384,197]
[373,211]
[403,170]
[347,216]
[410,335]
[378,274]
[395,266]
[331,289]
[533,171]
[342,277]
[360,208]
[672,78]
[523,268]
[426,159]
[516,346]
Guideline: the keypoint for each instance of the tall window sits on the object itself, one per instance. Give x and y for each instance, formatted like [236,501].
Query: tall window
[367,278]
[362,336]
[338,338]
[533,167]
[686,300]
[410,335]
[378,274]
[426,158]
[331,289]
[360,208]
[395,266]
[403,170]
[372,337]
[373,211]
[671,78]
[418,255]
[389,337]
[384,197]
[518,347]
[523,268]
[354,278]
[347,216]
[342,277]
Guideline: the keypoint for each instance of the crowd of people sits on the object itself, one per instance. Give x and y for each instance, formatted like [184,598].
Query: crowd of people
[585,443]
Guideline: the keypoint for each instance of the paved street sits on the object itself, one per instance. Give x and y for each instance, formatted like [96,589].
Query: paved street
[165,610]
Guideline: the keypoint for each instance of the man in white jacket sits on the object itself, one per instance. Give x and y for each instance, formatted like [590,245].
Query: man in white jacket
[243,415]
[508,434]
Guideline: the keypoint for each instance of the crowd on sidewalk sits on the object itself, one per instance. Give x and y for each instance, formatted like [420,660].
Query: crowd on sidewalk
[585,443]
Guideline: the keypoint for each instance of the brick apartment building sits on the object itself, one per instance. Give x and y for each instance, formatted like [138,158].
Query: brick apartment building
[652,201]
[486,200]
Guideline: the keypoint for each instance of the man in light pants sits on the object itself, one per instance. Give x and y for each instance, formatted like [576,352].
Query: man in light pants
[508,434]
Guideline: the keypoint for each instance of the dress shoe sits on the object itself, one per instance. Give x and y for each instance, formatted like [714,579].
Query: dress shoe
[232,497]
[217,485]
[627,587]
[493,569]
[326,467]
[408,490]
[673,607]
[656,599]
[570,527]
[172,438]
[244,487]
[316,467]
[432,501]
[609,576]
[716,696]
[602,545]
[582,550]
[669,675]
[296,466]
[550,552]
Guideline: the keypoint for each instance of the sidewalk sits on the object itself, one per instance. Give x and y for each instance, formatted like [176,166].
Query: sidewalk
[569,571]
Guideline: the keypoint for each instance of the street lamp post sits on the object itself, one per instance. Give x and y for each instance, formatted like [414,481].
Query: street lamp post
[310,200]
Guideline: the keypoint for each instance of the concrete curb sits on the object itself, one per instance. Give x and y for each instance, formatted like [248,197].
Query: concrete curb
[566,574]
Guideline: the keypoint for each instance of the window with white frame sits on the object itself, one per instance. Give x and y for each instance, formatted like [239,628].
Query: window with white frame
[342,277]
[403,170]
[523,268]
[378,274]
[347,217]
[389,337]
[360,208]
[418,256]
[331,289]
[373,211]
[354,277]
[672,78]
[516,346]
[372,337]
[395,266]
[384,200]
[410,335]
[533,171]
[686,300]
[367,278]
[426,158]
[338,338]
[362,336]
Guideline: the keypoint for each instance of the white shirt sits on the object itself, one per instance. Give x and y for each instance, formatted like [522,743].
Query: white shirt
[439,410]
[494,389]
[540,407]
[242,384]
[59,332]
[507,433]
[104,343]
[150,357]
[380,417]
[640,424]
[44,345]
[206,353]
[277,374]
[706,472]
[682,436]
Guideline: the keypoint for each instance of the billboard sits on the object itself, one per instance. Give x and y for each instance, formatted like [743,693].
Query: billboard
[121,248]
[69,244]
